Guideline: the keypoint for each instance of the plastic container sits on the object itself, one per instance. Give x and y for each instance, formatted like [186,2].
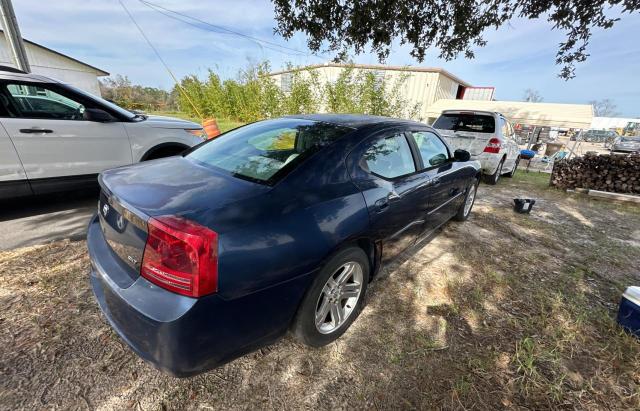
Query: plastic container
[629,311]
[211,128]
[523,205]
[527,154]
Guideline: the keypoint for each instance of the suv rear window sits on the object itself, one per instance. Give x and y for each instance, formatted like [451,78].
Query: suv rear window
[265,150]
[477,123]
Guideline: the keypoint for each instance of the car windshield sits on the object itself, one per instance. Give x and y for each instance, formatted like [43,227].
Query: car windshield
[102,101]
[630,139]
[259,151]
[478,123]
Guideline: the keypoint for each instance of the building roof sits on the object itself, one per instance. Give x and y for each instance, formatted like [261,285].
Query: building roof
[100,72]
[535,114]
[379,67]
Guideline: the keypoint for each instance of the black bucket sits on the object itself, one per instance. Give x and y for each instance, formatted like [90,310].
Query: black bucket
[523,205]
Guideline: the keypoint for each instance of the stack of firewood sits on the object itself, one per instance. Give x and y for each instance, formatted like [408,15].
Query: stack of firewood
[614,173]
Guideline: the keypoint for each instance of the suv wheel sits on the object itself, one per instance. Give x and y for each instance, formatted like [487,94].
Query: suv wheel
[334,300]
[493,178]
[515,167]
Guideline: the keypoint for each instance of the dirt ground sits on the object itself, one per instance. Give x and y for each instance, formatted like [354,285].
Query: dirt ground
[502,311]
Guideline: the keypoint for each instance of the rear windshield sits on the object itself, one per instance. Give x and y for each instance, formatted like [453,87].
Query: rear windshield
[477,123]
[262,151]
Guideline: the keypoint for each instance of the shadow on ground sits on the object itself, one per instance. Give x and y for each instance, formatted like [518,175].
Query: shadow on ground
[42,219]
[502,311]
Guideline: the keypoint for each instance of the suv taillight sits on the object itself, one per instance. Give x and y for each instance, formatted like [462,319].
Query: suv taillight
[493,146]
[181,256]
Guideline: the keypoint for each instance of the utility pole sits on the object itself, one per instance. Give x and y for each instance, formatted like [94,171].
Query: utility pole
[13,36]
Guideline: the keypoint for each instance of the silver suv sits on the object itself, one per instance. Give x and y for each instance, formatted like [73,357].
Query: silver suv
[487,136]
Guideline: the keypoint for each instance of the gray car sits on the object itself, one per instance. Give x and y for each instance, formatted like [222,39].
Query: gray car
[626,145]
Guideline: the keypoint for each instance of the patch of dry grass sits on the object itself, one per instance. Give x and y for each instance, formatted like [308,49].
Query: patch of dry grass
[503,311]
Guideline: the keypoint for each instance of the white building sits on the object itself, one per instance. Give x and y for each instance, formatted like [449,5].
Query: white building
[424,85]
[610,123]
[51,63]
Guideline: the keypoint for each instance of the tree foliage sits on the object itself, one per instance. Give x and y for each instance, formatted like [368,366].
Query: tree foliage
[254,95]
[453,27]
[604,108]
[120,90]
[532,96]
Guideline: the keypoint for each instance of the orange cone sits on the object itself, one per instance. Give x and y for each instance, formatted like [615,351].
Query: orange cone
[210,126]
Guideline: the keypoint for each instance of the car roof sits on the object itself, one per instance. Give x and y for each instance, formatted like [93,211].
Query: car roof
[354,121]
[29,77]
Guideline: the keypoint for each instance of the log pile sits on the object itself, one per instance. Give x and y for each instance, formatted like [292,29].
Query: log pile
[613,173]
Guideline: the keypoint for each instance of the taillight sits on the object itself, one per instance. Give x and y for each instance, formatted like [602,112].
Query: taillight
[181,256]
[493,146]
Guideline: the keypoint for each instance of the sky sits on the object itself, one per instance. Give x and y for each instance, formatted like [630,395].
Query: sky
[518,56]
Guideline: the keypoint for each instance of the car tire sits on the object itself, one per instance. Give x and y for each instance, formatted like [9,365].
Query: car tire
[469,200]
[314,324]
[492,179]
[515,168]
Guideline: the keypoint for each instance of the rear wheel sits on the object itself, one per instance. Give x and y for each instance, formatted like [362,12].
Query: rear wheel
[493,178]
[334,300]
[515,167]
[467,205]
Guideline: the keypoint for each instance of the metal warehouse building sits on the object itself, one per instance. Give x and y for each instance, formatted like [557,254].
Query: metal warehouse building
[424,85]
[53,64]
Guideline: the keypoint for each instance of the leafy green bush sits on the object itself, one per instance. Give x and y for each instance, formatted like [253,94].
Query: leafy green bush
[254,95]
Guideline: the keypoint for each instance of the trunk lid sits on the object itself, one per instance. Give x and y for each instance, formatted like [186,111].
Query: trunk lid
[125,232]
[171,186]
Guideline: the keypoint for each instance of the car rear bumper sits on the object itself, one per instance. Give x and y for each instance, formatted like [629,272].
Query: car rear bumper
[185,336]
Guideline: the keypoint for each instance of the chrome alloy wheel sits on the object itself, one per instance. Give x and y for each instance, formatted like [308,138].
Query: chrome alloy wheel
[469,202]
[339,297]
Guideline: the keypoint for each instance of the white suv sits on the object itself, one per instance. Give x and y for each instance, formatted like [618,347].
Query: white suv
[55,136]
[487,136]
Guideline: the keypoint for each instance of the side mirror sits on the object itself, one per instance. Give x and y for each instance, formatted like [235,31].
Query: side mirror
[97,115]
[461,155]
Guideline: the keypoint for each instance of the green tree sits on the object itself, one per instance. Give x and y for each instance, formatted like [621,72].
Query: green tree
[452,27]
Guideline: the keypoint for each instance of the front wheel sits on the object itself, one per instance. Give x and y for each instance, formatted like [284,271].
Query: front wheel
[334,300]
[465,209]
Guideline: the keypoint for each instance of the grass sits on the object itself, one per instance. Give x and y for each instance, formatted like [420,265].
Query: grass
[223,123]
[502,311]
[532,179]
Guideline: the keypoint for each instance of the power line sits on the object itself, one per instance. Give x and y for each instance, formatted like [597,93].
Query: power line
[223,30]
[160,58]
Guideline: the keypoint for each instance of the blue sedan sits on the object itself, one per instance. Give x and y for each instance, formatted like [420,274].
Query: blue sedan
[276,226]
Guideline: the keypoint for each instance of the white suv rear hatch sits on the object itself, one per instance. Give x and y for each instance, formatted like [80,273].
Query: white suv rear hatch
[467,130]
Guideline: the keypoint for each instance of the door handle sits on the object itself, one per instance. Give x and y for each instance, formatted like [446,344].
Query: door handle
[35,130]
[382,204]
[434,181]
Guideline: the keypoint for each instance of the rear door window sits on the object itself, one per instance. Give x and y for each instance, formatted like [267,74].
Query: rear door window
[264,150]
[477,123]
[390,157]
